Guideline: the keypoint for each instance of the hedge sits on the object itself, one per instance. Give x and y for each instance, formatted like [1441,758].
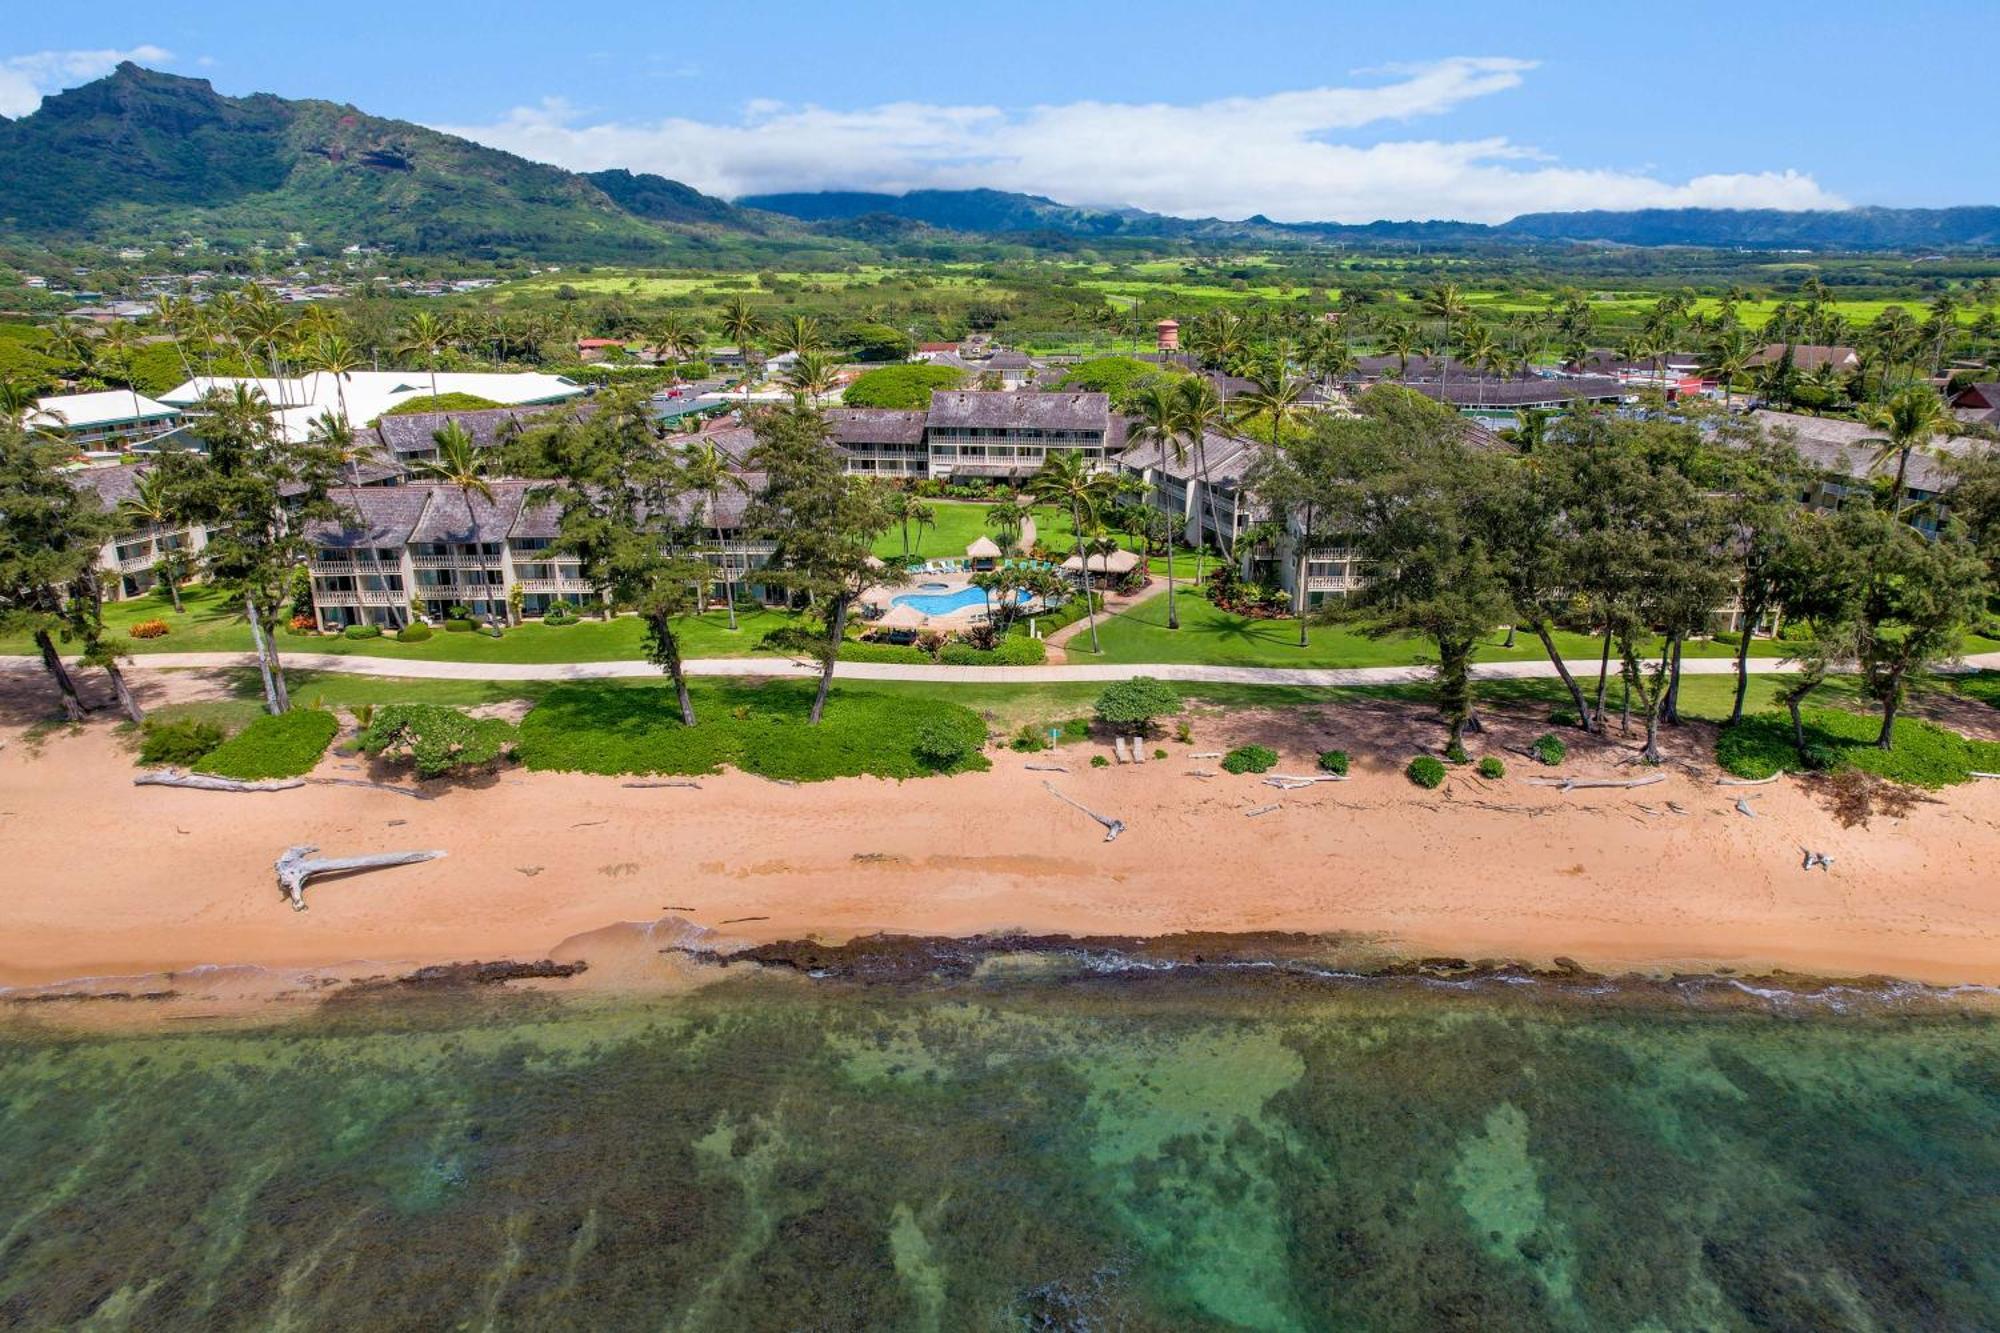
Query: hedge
[413,633]
[435,740]
[287,745]
[362,632]
[179,742]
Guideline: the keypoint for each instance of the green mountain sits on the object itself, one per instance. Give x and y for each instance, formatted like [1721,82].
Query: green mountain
[658,199]
[140,155]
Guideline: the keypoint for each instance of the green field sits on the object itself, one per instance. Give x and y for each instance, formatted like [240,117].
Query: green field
[961,522]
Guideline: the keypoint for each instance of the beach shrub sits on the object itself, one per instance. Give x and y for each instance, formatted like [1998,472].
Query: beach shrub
[282,746]
[435,740]
[458,625]
[1137,702]
[1564,717]
[1492,767]
[1075,728]
[148,629]
[1099,761]
[1184,732]
[1029,740]
[1454,753]
[177,742]
[1426,771]
[1159,754]
[758,728]
[413,633]
[1549,749]
[1249,759]
[362,632]
[941,743]
[1333,761]
[1925,754]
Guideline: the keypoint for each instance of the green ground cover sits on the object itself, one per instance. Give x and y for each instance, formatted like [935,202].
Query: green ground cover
[758,728]
[1925,754]
[285,746]
[213,624]
[960,522]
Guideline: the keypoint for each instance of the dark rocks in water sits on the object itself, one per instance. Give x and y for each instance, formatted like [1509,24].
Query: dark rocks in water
[488,974]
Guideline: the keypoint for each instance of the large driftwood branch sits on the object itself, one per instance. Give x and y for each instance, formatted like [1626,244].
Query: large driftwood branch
[298,865]
[1260,810]
[1573,784]
[174,777]
[672,782]
[1973,772]
[1295,781]
[1749,782]
[1112,827]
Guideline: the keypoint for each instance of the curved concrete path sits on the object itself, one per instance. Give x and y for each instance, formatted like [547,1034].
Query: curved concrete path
[358,664]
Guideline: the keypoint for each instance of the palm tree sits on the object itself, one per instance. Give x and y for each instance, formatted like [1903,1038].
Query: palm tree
[741,325]
[332,354]
[426,335]
[1446,302]
[459,463]
[1277,394]
[1006,518]
[1726,359]
[1201,414]
[706,469]
[1156,420]
[798,334]
[1401,340]
[117,346]
[811,377]
[923,515]
[333,432]
[675,335]
[73,342]
[1068,480]
[1911,418]
[149,507]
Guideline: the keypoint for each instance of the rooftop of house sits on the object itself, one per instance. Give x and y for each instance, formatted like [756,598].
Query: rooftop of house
[1532,391]
[1983,396]
[410,433]
[973,409]
[365,395]
[371,517]
[875,425]
[1851,448]
[1806,356]
[114,484]
[106,407]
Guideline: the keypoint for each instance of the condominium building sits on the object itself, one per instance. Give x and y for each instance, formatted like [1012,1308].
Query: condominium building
[129,564]
[973,434]
[110,421]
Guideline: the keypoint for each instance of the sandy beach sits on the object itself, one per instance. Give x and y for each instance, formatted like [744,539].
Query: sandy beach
[104,879]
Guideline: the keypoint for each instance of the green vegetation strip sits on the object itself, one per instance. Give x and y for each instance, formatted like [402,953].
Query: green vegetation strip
[759,729]
[1926,755]
[285,746]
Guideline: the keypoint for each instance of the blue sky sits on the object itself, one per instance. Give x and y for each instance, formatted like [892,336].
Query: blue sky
[1337,111]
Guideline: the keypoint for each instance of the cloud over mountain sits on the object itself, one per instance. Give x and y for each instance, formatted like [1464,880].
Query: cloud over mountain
[1280,154]
[26,79]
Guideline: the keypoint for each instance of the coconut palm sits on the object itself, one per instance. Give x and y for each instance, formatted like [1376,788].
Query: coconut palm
[458,463]
[1445,302]
[426,336]
[707,470]
[1068,480]
[675,335]
[1202,414]
[116,348]
[1726,359]
[1008,519]
[1156,420]
[797,334]
[74,343]
[741,325]
[1401,340]
[1277,394]
[921,515]
[150,507]
[811,377]
[331,354]
[1909,421]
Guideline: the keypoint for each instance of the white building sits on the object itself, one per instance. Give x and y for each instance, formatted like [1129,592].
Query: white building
[364,395]
[106,422]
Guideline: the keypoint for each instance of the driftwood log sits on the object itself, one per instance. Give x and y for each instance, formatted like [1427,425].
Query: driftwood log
[1749,782]
[1047,768]
[674,782]
[1573,784]
[174,777]
[1973,772]
[1260,810]
[372,786]
[1112,827]
[1296,781]
[298,864]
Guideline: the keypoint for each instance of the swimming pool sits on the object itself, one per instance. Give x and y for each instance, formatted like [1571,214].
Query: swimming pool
[945,603]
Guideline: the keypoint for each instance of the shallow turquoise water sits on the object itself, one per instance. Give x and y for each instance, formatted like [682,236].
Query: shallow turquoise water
[944,603]
[1123,1152]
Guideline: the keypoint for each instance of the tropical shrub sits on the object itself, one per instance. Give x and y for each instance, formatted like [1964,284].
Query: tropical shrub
[362,632]
[413,633]
[941,743]
[1924,754]
[1159,754]
[435,740]
[1492,767]
[1249,759]
[302,625]
[1549,749]
[1333,761]
[905,387]
[1454,753]
[1099,761]
[282,746]
[458,625]
[907,654]
[1029,740]
[178,742]
[1564,717]
[1426,771]
[1137,702]
[148,629]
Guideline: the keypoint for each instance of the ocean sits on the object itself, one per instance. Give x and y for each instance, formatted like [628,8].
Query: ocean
[1058,1140]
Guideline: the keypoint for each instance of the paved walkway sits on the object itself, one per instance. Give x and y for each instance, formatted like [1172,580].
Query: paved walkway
[407,668]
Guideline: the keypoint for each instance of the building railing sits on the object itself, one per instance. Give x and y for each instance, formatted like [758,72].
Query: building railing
[353,565]
[577,586]
[456,561]
[139,560]
[361,597]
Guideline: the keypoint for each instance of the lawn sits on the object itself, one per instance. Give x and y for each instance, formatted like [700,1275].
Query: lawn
[212,624]
[961,522]
[758,728]
[1212,636]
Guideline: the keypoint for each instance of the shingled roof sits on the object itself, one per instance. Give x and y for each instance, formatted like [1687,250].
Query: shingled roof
[372,516]
[874,425]
[411,433]
[1849,448]
[974,409]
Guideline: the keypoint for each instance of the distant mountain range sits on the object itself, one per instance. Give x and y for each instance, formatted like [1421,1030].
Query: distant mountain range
[139,155]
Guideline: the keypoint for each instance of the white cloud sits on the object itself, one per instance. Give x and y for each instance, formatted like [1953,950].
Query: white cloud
[1278,155]
[26,79]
